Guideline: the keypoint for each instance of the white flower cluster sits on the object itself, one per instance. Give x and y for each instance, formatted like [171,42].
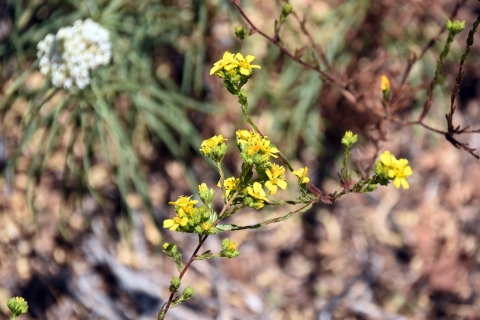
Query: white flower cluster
[70,54]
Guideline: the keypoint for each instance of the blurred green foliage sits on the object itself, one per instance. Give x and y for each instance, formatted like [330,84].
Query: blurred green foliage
[153,46]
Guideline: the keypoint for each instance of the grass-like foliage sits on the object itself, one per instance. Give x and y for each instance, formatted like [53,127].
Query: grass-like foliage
[92,115]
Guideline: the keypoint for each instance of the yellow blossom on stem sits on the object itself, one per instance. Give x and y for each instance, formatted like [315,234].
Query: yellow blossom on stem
[257,192]
[208,144]
[165,245]
[183,201]
[302,174]
[385,85]
[398,170]
[267,150]
[206,226]
[179,220]
[389,161]
[230,184]
[185,205]
[276,178]
[202,188]
[228,62]
[244,64]
[400,173]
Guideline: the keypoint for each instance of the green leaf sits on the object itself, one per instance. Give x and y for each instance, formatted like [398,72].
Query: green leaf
[205,256]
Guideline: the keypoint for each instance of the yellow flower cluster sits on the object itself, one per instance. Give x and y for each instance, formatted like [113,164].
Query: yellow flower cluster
[209,144]
[184,208]
[253,144]
[398,170]
[231,63]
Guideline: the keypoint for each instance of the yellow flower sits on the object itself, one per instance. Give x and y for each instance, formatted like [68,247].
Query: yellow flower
[179,220]
[208,144]
[348,134]
[228,62]
[398,170]
[232,246]
[244,64]
[400,173]
[206,226]
[385,83]
[185,205]
[230,185]
[390,163]
[276,178]
[302,174]
[166,244]
[254,144]
[184,201]
[387,158]
[266,149]
[257,192]
[243,135]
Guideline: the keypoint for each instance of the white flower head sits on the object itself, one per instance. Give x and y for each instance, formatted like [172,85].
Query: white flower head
[73,52]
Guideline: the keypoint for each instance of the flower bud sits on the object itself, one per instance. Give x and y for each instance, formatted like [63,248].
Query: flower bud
[175,284]
[240,32]
[385,86]
[18,306]
[455,26]
[349,139]
[287,9]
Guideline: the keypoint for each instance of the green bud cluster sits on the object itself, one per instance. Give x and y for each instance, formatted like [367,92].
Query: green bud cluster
[455,26]
[229,249]
[17,306]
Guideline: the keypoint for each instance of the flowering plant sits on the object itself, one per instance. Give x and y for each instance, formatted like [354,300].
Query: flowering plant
[259,173]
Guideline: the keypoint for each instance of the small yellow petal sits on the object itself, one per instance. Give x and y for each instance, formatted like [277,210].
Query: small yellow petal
[407,171]
[269,174]
[214,69]
[184,221]
[168,223]
[283,184]
[239,56]
[271,187]
[396,182]
[244,71]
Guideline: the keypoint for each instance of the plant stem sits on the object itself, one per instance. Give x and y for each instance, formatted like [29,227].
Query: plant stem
[192,258]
